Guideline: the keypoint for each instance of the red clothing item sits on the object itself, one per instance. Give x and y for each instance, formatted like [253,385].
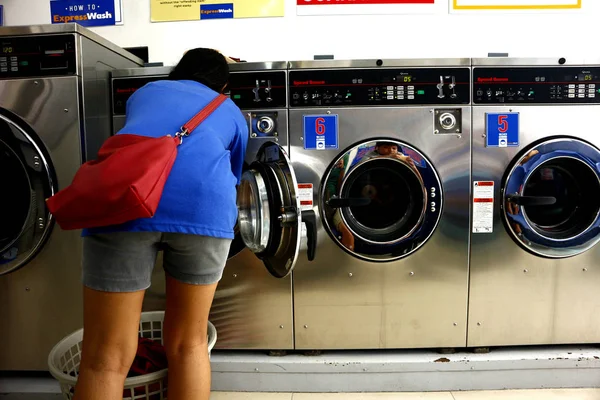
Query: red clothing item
[150,357]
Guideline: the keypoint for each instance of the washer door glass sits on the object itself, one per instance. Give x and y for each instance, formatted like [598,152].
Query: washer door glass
[381,200]
[269,214]
[26,183]
[551,198]
[394,200]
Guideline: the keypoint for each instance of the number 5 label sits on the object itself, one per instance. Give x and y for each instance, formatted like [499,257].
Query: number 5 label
[502,129]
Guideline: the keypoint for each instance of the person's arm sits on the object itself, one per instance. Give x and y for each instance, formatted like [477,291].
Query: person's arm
[237,148]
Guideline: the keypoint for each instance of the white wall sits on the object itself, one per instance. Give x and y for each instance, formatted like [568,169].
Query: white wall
[384,36]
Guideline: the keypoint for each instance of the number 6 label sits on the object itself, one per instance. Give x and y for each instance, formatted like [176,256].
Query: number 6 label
[320,132]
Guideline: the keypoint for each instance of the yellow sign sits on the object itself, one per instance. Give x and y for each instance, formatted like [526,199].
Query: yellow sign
[516,4]
[192,10]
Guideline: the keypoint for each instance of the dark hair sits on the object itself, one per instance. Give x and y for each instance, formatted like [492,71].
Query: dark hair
[379,144]
[206,66]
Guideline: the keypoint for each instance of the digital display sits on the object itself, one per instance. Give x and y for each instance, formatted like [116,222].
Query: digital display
[536,85]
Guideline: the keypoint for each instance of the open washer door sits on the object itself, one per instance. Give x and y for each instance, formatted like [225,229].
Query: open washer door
[26,180]
[269,214]
[551,198]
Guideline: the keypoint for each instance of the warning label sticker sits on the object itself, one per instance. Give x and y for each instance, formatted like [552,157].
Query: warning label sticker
[483,207]
[305,194]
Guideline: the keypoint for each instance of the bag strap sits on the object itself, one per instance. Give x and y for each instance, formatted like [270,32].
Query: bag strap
[193,123]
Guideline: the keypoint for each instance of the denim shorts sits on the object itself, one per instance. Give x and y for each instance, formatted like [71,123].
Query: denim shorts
[123,261]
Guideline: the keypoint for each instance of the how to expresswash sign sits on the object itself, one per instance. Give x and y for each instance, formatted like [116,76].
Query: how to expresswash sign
[85,13]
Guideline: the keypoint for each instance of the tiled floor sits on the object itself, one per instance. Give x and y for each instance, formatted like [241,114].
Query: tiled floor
[550,394]
[567,394]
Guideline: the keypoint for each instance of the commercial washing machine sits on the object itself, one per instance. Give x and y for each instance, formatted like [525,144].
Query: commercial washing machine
[536,191]
[381,149]
[252,308]
[54,115]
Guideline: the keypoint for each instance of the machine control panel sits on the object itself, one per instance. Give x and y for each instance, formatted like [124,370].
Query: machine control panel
[27,56]
[248,90]
[375,87]
[536,85]
[258,89]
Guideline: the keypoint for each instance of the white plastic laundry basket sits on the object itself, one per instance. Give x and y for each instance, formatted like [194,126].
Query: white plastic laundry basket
[64,359]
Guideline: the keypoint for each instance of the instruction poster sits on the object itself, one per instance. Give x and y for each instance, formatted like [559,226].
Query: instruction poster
[87,12]
[192,10]
[533,5]
[372,7]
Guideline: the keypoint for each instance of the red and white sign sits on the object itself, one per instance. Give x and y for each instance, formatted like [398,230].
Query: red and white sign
[483,207]
[357,7]
[305,195]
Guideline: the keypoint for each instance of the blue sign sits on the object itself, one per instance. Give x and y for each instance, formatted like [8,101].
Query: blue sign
[502,129]
[1,15]
[216,11]
[321,132]
[83,12]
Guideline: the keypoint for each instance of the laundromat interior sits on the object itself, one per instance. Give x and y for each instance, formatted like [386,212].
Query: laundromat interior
[419,213]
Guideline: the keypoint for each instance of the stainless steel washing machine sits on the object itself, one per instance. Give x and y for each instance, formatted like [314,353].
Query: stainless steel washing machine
[54,115]
[252,308]
[536,191]
[381,149]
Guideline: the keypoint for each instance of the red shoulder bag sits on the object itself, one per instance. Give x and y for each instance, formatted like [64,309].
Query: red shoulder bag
[125,182]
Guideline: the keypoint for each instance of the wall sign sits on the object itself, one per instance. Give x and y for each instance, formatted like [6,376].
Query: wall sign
[1,15]
[320,132]
[362,7]
[192,10]
[87,12]
[515,4]
[502,129]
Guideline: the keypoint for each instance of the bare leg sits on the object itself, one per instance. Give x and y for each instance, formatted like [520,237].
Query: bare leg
[110,326]
[185,338]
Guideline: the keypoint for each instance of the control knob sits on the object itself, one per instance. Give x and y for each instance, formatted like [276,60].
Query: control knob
[268,91]
[440,87]
[453,87]
[256,92]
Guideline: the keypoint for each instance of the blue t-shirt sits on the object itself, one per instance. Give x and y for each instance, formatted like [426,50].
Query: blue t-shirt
[200,194]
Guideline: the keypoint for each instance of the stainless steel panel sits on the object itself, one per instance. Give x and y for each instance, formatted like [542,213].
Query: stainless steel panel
[258,66]
[96,63]
[341,302]
[56,29]
[146,72]
[375,63]
[236,67]
[41,303]
[534,62]
[517,298]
